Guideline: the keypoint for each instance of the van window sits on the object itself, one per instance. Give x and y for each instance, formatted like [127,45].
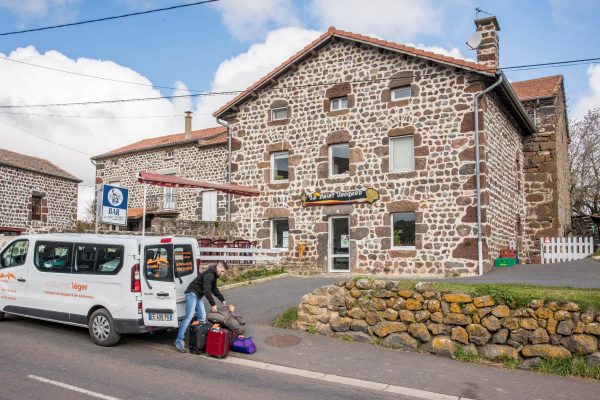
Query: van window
[97,259]
[159,263]
[53,256]
[15,254]
[184,260]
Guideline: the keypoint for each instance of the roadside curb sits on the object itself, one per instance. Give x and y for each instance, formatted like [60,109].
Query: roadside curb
[253,281]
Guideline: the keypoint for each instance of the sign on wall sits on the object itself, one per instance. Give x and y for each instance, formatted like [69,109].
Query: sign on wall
[114,205]
[331,199]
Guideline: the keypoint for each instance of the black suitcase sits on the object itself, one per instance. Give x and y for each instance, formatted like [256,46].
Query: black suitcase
[197,337]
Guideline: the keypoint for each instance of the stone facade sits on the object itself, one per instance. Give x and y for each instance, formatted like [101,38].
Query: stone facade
[445,323]
[58,200]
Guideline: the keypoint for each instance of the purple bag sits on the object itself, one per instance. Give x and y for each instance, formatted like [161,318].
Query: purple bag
[243,344]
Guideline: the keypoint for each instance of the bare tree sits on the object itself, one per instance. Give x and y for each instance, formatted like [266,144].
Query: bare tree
[585,164]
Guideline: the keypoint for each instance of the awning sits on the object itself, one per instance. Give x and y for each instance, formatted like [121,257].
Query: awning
[177,182]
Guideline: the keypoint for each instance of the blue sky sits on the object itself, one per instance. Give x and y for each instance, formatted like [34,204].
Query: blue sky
[228,45]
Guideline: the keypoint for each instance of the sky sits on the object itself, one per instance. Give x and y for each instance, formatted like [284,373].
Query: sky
[227,45]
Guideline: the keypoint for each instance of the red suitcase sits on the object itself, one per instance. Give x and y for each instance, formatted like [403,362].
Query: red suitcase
[217,342]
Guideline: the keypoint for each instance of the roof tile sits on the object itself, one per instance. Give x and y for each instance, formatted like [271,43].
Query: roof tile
[34,164]
[536,88]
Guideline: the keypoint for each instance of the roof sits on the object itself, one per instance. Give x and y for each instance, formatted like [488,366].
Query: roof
[332,33]
[205,137]
[178,182]
[135,212]
[537,88]
[34,164]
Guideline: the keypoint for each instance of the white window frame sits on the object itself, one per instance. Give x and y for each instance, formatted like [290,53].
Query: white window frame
[273,155]
[331,174]
[272,224]
[397,90]
[391,148]
[287,113]
[169,154]
[392,232]
[338,101]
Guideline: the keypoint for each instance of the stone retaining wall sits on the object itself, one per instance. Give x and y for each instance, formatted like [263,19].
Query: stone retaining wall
[444,323]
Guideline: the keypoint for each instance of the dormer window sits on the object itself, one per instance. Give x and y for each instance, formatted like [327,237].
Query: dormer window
[400,93]
[278,114]
[339,103]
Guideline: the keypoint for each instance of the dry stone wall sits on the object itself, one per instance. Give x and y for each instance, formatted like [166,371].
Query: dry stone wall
[377,311]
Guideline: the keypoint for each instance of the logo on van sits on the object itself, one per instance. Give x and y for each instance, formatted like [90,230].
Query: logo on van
[79,286]
[8,276]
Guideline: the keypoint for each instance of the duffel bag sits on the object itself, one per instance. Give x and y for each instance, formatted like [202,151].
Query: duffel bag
[226,318]
[243,344]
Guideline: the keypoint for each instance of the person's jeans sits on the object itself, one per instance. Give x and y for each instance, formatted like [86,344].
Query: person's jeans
[193,305]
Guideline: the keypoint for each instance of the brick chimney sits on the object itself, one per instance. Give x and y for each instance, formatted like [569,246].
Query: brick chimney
[188,125]
[488,52]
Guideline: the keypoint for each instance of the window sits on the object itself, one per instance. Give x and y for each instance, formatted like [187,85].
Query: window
[184,260]
[402,153]
[279,113]
[159,263]
[53,256]
[280,231]
[279,167]
[403,230]
[339,103]
[15,254]
[97,259]
[169,154]
[339,159]
[400,93]
[36,208]
[209,205]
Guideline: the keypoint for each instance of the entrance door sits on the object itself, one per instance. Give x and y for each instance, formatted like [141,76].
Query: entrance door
[339,244]
[159,297]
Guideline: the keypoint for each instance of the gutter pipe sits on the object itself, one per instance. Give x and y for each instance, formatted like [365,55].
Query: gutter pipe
[478,172]
[223,123]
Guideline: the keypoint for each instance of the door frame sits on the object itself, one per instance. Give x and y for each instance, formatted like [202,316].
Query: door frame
[330,254]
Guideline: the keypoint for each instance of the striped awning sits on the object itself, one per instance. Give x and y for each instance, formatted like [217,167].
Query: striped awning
[178,182]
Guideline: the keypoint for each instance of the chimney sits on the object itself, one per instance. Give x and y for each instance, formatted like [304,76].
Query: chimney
[188,125]
[488,52]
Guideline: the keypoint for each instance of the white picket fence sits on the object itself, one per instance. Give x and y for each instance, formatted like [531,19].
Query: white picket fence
[243,255]
[554,250]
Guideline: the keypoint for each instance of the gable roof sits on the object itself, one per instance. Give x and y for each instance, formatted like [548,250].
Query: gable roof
[205,137]
[34,164]
[537,88]
[333,33]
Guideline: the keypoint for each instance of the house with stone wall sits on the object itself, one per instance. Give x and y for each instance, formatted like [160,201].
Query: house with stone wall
[35,195]
[364,153]
[194,154]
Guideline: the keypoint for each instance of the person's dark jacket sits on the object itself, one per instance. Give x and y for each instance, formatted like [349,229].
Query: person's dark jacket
[205,284]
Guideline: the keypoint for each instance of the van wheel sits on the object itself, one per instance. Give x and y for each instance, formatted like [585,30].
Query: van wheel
[102,328]
[1,315]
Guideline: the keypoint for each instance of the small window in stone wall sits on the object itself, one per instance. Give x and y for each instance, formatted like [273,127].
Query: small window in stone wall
[339,159]
[403,230]
[36,208]
[400,93]
[339,103]
[402,153]
[280,230]
[169,154]
[279,167]
[279,114]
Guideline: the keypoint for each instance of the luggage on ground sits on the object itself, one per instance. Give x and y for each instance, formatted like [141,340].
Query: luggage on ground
[226,318]
[217,341]
[197,337]
[243,344]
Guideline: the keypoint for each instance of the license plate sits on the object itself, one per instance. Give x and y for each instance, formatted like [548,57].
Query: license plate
[160,317]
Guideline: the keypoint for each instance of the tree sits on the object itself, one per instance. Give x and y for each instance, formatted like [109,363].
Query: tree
[585,164]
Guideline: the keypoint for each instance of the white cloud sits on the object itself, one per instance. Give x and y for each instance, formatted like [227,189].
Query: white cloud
[244,69]
[453,52]
[398,20]
[248,20]
[23,84]
[592,100]
[57,10]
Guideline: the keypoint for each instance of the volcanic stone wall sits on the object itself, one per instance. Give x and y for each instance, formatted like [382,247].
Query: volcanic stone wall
[440,189]
[59,202]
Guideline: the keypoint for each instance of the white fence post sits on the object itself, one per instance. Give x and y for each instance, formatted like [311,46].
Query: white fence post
[553,250]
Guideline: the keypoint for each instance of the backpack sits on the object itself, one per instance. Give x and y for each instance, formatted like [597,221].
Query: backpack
[226,318]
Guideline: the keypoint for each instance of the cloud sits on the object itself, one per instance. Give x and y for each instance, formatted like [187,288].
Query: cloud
[244,69]
[592,100]
[453,52]
[112,125]
[398,20]
[57,10]
[249,20]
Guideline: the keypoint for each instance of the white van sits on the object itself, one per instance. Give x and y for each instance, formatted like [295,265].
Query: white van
[110,284]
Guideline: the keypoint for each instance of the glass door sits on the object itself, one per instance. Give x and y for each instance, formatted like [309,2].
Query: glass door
[339,244]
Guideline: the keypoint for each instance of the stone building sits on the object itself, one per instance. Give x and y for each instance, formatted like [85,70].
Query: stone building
[364,152]
[35,195]
[199,154]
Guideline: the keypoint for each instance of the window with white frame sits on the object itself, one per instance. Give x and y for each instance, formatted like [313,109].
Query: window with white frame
[278,114]
[339,159]
[280,231]
[279,167]
[402,156]
[400,93]
[339,103]
[403,230]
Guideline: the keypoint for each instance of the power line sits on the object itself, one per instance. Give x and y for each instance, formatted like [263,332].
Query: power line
[96,116]
[89,21]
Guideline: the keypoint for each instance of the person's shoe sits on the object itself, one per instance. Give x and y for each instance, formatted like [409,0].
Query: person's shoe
[180,346]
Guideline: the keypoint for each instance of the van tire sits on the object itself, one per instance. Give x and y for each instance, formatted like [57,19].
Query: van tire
[102,328]
[1,315]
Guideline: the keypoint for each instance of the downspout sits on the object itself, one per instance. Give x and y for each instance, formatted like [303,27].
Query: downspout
[96,195]
[478,173]
[223,123]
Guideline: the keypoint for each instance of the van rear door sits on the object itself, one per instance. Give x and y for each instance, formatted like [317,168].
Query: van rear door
[159,297]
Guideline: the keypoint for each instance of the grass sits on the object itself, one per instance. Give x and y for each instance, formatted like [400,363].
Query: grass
[287,319]
[249,275]
[312,329]
[347,338]
[509,362]
[462,355]
[575,365]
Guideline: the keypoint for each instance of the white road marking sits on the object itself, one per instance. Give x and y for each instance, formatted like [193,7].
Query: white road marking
[73,388]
